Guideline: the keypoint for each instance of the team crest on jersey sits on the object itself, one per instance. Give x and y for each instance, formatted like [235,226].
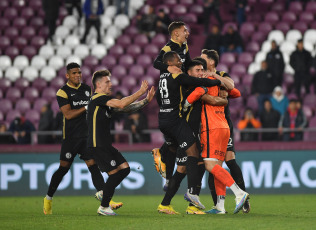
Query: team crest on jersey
[113,163]
[87,93]
[68,155]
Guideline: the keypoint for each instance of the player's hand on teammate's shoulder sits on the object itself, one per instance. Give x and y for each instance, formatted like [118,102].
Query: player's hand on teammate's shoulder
[223,93]
[174,70]
[150,94]
[144,87]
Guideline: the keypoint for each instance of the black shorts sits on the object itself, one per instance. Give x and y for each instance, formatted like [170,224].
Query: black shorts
[181,158]
[177,132]
[71,147]
[231,143]
[107,159]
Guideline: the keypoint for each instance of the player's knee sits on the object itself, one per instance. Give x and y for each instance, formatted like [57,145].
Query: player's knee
[63,170]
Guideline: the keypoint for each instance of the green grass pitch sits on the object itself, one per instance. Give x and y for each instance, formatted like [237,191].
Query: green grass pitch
[139,212]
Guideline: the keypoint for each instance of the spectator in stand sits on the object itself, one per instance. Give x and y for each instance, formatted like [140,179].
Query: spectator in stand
[51,9]
[122,6]
[92,10]
[162,22]
[275,64]
[5,138]
[301,61]
[249,122]
[279,101]
[46,123]
[241,7]
[269,118]
[232,41]
[117,123]
[137,122]
[293,118]
[70,4]
[211,7]
[213,40]
[146,22]
[21,130]
[262,85]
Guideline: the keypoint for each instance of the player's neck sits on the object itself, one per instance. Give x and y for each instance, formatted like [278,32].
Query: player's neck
[71,84]
[175,40]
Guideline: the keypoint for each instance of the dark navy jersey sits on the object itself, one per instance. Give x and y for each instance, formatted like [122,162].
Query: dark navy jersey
[76,97]
[99,121]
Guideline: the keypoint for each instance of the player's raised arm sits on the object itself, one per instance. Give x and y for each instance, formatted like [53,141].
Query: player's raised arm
[234,93]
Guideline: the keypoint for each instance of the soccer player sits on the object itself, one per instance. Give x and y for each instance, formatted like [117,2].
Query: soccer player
[72,99]
[193,117]
[176,130]
[215,135]
[108,158]
[163,158]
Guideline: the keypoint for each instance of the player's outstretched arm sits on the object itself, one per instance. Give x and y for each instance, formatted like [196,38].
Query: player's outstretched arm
[71,113]
[139,104]
[185,79]
[228,82]
[214,100]
[125,101]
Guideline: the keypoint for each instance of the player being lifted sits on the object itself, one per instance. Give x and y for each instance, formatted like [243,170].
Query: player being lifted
[215,135]
[193,117]
[72,100]
[176,130]
[108,158]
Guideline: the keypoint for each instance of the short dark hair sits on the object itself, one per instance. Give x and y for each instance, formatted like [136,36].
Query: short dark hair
[194,63]
[211,54]
[175,25]
[202,60]
[169,56]
[72,65]
[97,75]
[300,40]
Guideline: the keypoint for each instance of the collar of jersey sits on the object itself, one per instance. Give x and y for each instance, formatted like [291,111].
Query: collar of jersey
[73,86]
[175,42]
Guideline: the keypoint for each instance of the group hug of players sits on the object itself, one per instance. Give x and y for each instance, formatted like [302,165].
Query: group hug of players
[204,113]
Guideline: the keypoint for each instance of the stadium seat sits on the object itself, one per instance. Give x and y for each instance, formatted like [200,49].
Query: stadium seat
[113,31]
[141,39]
[265,27]
[30,73]
[39,103]
[144,60]
[10,13]
[126,60]
[124,90]
[12,114]
[13,94]
[31,94]
[131,30]
[253,68]
[110,11]
[278,7]
[56,62]
[81,51]
[310,7]
[150,79]
[252,47]
[159,40]
[116,51]
[19,23]
[136,71]
[121,21]
[35,4]
[228,59]
[21,62]
[21,84]
[283,26]
[28,32]
[6,105]
[106,21]
[129,81]
[151,50]
[289,17]
[37,41]
[22,105]
[5,62]
[4,4]
[91,61]
[5,84]
[47,73]
[124,40]
[115,81]
[245,58]
[287,47]
[309,100]
[36,22]
[179,10]
[12,52]
[151,71]
[72,41]
[119,72]
[39,83]
[33,116]
[293,36]
[252,102]
[288,69]
[247,29]
[65,51]
[62,32]
[4,42]
[134,50]
[309,36]
[238,69]
[98,51]
[108,41]
[70,22]
[12,73]
[4,23]
[38,62]
[276,35]
[73,58]
[222,67]
[306,17]
[109,61]
[27,13]
[271,17]
[49,94]
[46,51]
[20,42]
[296,7]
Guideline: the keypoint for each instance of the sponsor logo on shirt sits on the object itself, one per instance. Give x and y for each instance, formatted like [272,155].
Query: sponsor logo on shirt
[75,103]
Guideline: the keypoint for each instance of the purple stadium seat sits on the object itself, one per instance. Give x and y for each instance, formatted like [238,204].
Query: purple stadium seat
[11,32]
[19,23]
[119,72]
[308,111]
[278,6]
[27,13]
[124,40]
[265,27]
[33,116]
[151,71]
[131,30]
[247,79]
[43,31]
[228,59]
[29,52]
[4,84]
[126,60]
[58,82]
[36,22]
[236,79]
[31,94]
[196,9]
[307,17]
[4,42]
[253,47]
[91,61]
[245,58]
[115,81]
[19,4]
[252,102]
[13,94]
[151,50]
[157,137]
[55,106]
[6,105]
[271,17]
[129,81]
[4,23]
[62,71]
[85,71]
[228,24]
[99,67]
[49,94]
[35,4]
[20,42]
[179,10]
[12,52]
[296,7]
[312,123]
[109,61]
[159,40]
[309,100]
[37,41]
[186,2]
[153,124]
[22,105]
[310,7]
[141,39]
[238,69]
[136,71]
[289,17]
[4,4]
[10,13]
[116,51]
[222,67]
[39,103]
[21,83]
[283,26]
[12,114]
[300,26]
[150,79]
[28,32]
[247,28]
[134,50]
[144,60]
[124,90]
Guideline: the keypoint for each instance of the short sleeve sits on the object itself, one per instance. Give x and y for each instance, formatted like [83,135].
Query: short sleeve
[62,98]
